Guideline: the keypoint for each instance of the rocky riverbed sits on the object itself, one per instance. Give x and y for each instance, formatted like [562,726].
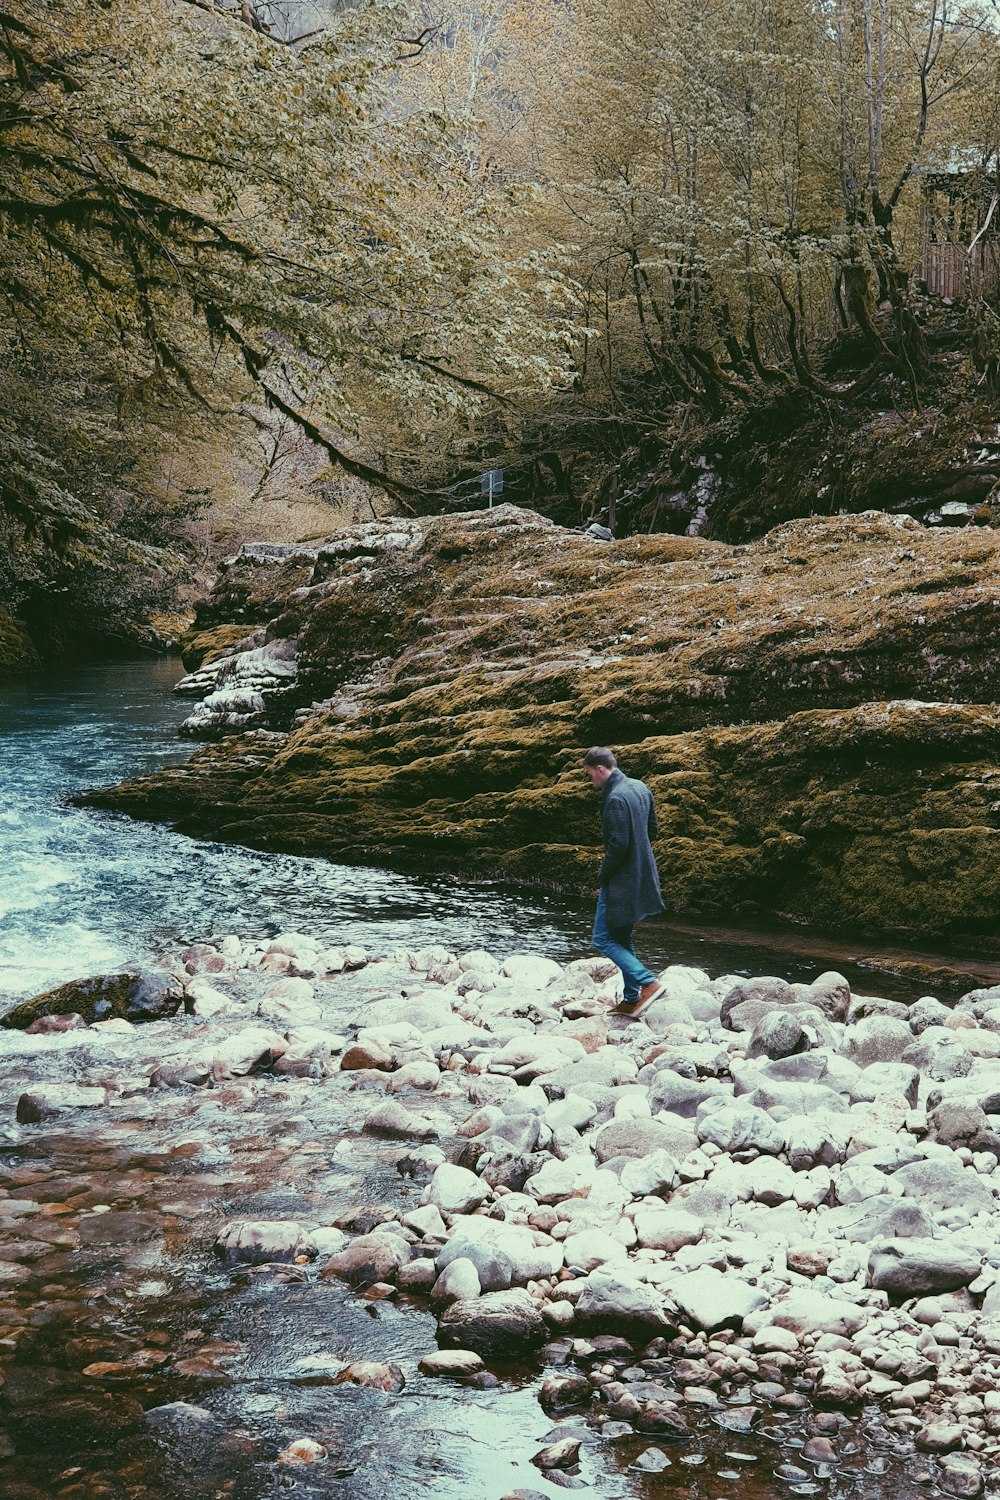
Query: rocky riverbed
[755,1231]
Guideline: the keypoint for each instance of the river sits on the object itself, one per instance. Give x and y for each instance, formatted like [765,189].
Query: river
[108,1289]
[84,891]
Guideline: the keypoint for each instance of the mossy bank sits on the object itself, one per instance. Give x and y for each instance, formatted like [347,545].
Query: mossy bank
[816,711]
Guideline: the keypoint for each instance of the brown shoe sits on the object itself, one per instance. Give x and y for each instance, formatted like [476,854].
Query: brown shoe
[634,1008]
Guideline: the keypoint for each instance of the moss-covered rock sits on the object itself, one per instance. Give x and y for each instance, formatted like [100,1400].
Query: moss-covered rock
[815,712]
[134,994]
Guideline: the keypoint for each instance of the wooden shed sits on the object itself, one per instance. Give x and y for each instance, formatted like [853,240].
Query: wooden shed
[960,231]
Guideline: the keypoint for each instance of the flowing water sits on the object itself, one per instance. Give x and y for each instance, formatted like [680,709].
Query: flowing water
[109,1294]
[83,891]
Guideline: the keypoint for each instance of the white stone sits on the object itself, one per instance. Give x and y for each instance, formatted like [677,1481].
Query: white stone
[455,1190]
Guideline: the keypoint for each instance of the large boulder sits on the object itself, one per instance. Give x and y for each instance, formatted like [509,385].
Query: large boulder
[921,1267]
[134,994]
[497,1325]
[709,1299]
[943,1183]
[625,1137]
[258,1241]
[614,1298]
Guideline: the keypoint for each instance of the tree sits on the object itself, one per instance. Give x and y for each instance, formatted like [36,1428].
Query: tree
[197,215]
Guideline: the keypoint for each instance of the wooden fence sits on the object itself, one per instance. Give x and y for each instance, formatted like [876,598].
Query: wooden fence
[949,270]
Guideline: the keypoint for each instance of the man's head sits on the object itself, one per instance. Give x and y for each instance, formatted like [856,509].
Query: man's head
[599,764]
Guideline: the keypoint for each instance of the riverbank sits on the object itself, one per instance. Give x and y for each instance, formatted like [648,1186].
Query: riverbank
[815,712]
[755,1231]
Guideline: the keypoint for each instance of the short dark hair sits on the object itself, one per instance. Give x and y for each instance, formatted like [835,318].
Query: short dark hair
[600,755]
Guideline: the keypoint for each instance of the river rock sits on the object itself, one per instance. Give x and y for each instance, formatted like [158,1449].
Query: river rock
[644,1176]
[643,1137]
[373,1374]
[256,1241]
[939,1055]
[137,994]
[667,1229]
[779,1033]
[368,1054]
[592,1248]
[917,1267]
[711,1300]
[945,1184]
[247,1050]
[741,1127]
[497,1325]
[54,1099]
[886,1078]
[53,1025]
[877,1039]
[458,1281]
[806,1312]
[368,1259]
[452,1364]
[455,1190]
[614,1298]
[394,1120]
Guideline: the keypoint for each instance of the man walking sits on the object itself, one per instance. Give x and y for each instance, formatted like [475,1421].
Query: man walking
[629,885]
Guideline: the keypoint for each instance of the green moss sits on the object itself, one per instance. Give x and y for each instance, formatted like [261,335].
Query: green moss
[788,702]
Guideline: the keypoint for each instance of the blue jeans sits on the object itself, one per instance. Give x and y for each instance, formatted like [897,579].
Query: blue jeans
[616,943]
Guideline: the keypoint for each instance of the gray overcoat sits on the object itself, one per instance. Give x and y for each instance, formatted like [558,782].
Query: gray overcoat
[628,872]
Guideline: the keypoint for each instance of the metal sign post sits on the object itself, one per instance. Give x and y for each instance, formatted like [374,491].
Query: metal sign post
[491,483]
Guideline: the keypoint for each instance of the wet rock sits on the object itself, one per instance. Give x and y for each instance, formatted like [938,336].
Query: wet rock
[373,1374]
[136,994]
[561,1455]
[255,1242]
[51,1025]
[180,1076]
[368,1054]
[562,1393]
[178,1417]
[95,1420]
[251,1049]
[498,1325]
[452,1364]
[395,1121]
[369,1259]
[120,1227]
[52,1100]
[651,1461]
[302,1451]
[662,1419]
